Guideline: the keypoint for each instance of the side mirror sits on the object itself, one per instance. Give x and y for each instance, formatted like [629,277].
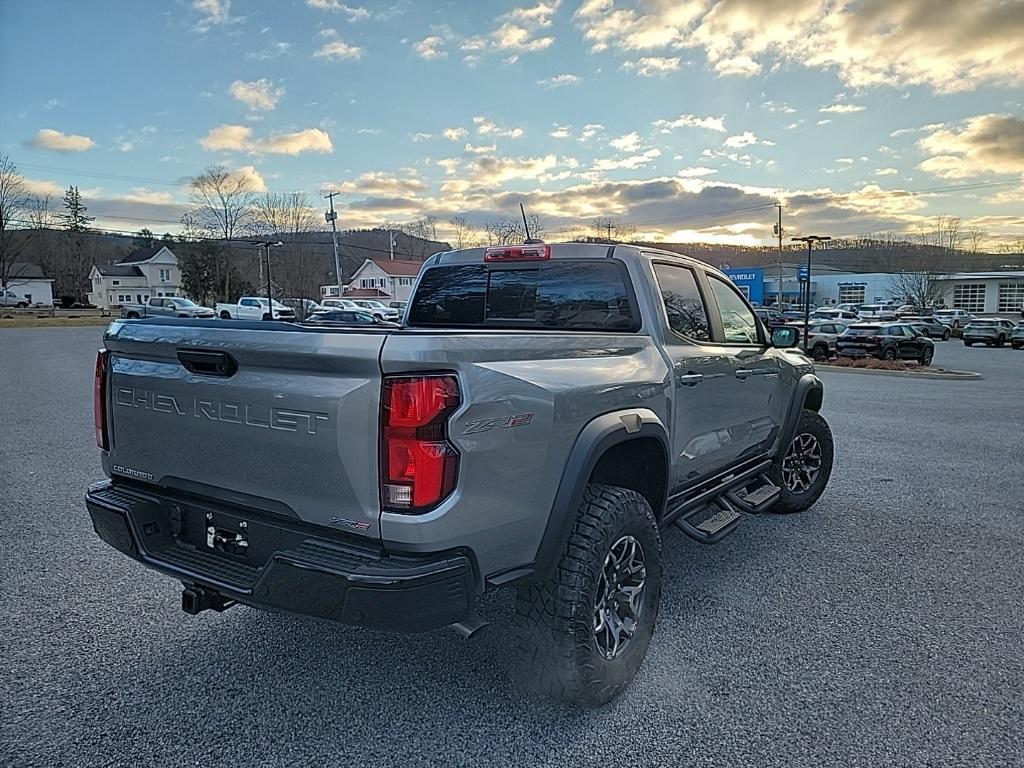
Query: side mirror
[785,337]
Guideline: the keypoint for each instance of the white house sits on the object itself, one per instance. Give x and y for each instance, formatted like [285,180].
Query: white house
[385,279]
[135,278]
[29,283]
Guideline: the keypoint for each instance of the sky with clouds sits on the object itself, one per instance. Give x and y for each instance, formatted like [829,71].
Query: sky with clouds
[689,119]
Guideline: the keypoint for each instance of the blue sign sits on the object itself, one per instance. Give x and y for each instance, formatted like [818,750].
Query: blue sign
[802,274]
[750,280]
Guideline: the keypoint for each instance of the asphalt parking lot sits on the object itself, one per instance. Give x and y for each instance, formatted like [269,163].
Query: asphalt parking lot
[884,627]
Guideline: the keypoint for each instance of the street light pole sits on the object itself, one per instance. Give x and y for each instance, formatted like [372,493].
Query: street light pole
[810,240]
[267,245]
[332,217]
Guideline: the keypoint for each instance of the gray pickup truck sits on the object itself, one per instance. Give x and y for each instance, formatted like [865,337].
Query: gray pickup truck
[543,415]
[166,306]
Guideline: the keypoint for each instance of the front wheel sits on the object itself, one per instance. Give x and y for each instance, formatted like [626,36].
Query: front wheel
[803,469]
[889,354]
[967,343]
[1000,341]
[820,352]
[926,356]
[945,335]
[583,633]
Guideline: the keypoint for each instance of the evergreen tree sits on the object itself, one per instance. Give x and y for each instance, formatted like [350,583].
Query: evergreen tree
[75,218]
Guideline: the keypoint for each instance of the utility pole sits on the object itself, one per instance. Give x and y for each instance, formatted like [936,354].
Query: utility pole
[266,246]
[608,223]
[778,228]
[810,240]
[332,217]
[391,244]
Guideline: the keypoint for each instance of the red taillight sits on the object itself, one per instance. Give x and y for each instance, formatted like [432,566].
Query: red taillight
[419,467]
[99,400]
[538,252]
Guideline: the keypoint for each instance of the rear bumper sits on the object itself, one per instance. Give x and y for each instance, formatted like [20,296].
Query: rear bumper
[289,566]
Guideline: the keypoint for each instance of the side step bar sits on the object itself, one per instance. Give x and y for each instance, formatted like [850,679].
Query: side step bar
[715,511]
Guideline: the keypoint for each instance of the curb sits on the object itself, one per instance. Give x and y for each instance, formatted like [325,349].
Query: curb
[947,376]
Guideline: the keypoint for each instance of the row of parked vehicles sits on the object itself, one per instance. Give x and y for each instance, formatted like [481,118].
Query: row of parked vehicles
[350,311]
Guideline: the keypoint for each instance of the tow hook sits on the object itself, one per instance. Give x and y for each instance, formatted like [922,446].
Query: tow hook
[196,600]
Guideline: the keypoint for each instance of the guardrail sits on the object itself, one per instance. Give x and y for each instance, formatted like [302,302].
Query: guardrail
[56,312]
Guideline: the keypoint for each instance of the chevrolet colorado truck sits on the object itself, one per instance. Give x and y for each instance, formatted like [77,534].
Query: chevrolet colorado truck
[543,416]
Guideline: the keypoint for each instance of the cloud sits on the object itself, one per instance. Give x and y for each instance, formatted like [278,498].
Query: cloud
[338,50]
[380,183]
[629,142]
[430,48]
[43,187]
[494,171]
[744,139]
[212,13]
[48,138]
[238,138]
[520,31]
[353,13]
[558,81]
[980,145]
[561,132]
[953,47]
[450,165]
[631,162]
[777,106]
[486,127]
[842,109]
[691,121]
[455,134]
[885,171]
[258,94]
[689,173]
[477,149]
[653,66]
[266,52]
[590,130]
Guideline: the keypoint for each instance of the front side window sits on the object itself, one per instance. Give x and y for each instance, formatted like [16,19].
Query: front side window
[737,318]
[684,306]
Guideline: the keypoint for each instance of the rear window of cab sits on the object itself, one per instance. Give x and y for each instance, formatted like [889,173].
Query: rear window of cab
[579,295]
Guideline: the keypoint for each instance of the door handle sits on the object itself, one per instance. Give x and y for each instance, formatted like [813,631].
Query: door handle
[690,379]
[743,373]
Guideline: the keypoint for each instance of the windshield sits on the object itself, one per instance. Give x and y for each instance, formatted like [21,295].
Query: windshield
[982,324]
[184,303]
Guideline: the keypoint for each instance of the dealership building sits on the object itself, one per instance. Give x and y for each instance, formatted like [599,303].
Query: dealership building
[981,293]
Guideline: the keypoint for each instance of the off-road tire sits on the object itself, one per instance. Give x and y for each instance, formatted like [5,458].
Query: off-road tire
[557,653]
[813,424]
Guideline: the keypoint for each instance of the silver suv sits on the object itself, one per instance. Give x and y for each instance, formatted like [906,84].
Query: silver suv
[543,416]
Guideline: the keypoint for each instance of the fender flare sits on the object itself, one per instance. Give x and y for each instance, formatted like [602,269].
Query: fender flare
[807,393]
[600,434]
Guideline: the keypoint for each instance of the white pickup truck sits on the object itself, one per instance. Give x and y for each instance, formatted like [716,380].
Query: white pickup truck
[254,308]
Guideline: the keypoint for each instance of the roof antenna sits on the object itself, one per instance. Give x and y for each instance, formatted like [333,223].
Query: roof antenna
[529,239]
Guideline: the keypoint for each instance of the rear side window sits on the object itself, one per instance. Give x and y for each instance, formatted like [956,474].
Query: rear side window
[684,306]
[578,295]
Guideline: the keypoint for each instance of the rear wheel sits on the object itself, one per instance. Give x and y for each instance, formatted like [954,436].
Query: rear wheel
[802,471]
[820,352]
[225,315]
[583,633]
[266,316]
[132,315]
[945,335]
[967,343]
[22,305]
[889,354]
[1000,341]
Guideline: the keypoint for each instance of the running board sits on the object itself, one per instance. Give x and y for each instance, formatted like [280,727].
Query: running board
[715,510]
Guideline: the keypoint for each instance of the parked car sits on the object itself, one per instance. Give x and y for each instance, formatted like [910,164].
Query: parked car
[886,341]
[254,308]
[399,305]
[377,309]
[836,315]
[347,317]
[954,318]
[338,304]
[880,312]
[929,326]
[166,306]
[392,480]
[1017,339]
[303,308]
[993,331]
[9,298]
[849,307]
[822,336]
[771,318]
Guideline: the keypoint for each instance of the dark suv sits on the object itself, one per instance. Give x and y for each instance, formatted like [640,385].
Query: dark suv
[886,341]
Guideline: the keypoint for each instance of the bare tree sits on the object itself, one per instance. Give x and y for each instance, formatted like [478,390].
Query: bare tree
[465,235]
[510,231]
[945,233]
[283,214]
[14,202]
[974,237]
[40,213]
[290,218]
[222,202]
[610,230]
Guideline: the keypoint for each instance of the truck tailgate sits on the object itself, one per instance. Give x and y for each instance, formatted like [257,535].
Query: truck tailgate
[288,425]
